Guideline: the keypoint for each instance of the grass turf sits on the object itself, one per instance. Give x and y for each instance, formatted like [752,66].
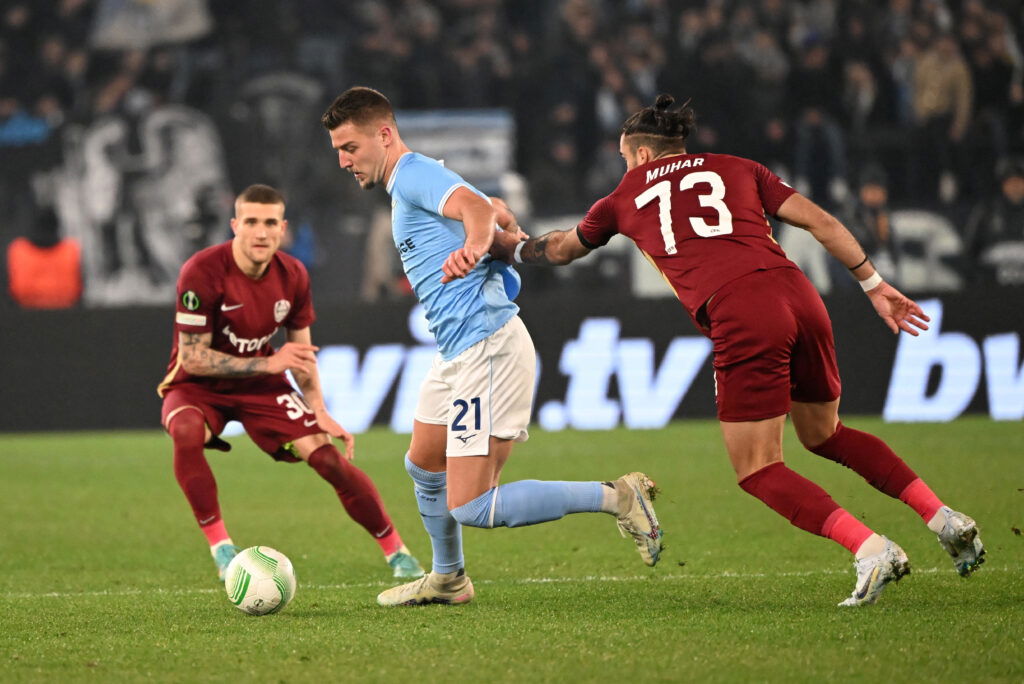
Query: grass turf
[103,576]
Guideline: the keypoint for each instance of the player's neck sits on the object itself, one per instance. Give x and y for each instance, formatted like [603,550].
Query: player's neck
[395,152]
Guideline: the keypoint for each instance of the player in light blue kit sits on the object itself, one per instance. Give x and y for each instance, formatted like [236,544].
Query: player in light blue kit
[475,402]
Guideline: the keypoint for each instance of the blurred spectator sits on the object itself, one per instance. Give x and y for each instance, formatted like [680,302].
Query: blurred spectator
[819,154]
[44,270]
[995,231]
[868,217]
[942,111]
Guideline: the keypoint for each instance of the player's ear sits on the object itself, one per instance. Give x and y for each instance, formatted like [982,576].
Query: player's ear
[386,135]
[234,225]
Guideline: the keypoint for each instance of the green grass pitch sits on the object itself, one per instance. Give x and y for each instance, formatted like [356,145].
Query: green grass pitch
[104,576]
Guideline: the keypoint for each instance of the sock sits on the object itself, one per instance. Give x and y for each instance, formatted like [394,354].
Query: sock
[187,430]
[216,534]
[358,495]
[872,459]
[444,530]
[805,505]
[922,499]
[529,502]
[847,531]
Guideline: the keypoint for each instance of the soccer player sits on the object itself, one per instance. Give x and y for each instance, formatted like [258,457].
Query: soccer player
[232,299]
[700,219]
[475,401]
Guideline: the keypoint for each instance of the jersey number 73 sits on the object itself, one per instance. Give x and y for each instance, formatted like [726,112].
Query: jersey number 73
[662,191]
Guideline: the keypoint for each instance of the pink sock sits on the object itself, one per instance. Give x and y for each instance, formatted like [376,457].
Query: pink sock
[921,498]
[215,532]
[845,530]
[391,542]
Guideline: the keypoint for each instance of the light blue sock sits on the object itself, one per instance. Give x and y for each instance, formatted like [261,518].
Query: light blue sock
[529,502]
[444,530]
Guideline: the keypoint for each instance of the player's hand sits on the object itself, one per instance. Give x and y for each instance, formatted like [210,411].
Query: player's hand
[897,310]
[504,245]
[332,427]
[298,358]
[461,262]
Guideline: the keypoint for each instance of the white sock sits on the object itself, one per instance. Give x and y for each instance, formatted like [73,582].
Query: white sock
[609,499]
[871,546]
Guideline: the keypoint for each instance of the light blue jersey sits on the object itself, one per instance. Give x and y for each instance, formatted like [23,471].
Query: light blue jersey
[462,312]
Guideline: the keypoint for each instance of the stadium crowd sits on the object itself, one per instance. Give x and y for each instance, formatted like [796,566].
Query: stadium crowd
[874,108]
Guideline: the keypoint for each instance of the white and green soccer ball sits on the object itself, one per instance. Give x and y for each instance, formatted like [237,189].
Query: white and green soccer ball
[260,580]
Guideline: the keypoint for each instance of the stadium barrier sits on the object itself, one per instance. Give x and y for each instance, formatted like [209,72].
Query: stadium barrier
[603,362]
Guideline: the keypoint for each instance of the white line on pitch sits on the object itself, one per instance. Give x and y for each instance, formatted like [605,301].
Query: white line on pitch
[524,580]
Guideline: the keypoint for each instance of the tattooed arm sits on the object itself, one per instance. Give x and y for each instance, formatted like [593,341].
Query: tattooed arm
[555,248]
[198,358]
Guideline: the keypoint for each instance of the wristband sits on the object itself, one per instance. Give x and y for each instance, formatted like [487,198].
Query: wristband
[854,268]
[517,255]
[871,282]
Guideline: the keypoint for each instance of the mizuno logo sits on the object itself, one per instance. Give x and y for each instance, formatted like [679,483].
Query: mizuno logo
[465,440]
[225,307]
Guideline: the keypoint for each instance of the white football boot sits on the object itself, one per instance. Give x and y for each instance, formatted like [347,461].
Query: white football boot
[874,572]
[959,537]
[450,589]
[636,515]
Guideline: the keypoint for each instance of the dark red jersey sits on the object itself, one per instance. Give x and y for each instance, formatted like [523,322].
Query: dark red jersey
[214,295]
[699,218]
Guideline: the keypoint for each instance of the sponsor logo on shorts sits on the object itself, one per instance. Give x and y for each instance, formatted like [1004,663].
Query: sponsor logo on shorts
[465,439]
[309,423]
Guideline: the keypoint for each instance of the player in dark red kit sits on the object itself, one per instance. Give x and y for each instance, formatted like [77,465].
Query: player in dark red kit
[232,298]
[700,219]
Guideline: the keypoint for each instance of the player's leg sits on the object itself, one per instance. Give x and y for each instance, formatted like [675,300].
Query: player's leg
[492,392]
[756,323]
[815,390]
[360,499]
[447,581]
[280,423]
[819,429]
[186,423]
[755,450]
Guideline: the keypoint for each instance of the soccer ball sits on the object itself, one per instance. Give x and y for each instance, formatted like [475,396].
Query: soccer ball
[260,580]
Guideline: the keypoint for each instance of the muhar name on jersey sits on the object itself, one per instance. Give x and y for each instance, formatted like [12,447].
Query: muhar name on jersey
[674,166]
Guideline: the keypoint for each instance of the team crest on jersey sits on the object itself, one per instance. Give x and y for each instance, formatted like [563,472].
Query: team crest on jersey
[281,309]
[190,300]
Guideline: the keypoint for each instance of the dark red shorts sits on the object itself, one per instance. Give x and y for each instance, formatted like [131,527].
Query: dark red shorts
[773,344]
[273,414]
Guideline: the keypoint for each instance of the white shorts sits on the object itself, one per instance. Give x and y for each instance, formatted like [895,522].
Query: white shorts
[485,391]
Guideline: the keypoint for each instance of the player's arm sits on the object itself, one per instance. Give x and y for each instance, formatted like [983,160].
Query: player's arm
[897,310]
[309,383]
[556,248]
[199,358]
[478,216]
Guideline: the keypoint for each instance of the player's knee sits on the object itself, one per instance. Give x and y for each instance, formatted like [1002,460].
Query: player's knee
[478,512]
[188,428]
[425,480]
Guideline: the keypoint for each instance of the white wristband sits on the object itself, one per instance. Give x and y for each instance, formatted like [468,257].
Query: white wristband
[871,282]
[517,255]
